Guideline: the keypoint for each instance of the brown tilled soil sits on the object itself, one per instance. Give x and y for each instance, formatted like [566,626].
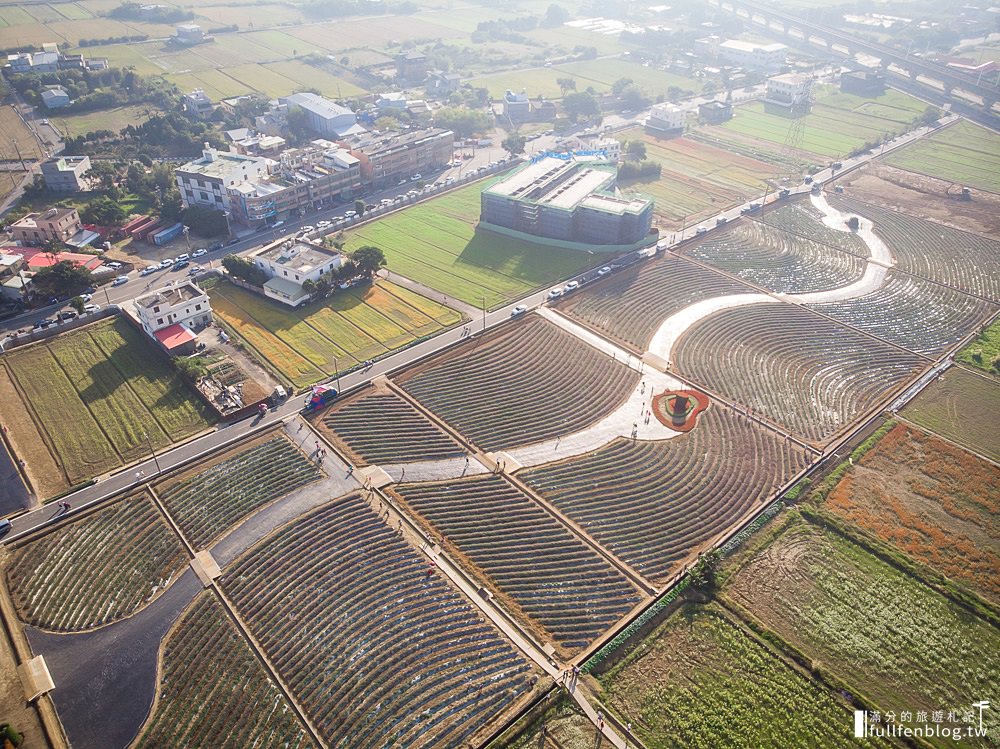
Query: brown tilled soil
[924,197]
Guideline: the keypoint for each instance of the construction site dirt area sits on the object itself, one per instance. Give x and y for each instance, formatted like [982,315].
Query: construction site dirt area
[927,197]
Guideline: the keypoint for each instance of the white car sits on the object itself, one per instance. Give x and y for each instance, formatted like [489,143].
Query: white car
[199,252]
[571,285]
[86,297]
[113,265]
[323,224]
[277,224]
[182,256]
[385,201]
[307,229]
[604,271]
[350,214]
[166,263]
[401,182]
[701,230]
[120,280]
[87,308]
[556,292]
[194,269]
[518,310]
[149,269]
[416,178]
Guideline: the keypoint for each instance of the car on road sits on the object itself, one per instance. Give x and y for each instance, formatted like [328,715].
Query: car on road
[67,314]
[200,252]
[86,297]
[721,220]
[195,269]
[88,308]
[572,285]
[45,122]
[416,177]
[350,214]
[6,526]
[701,230]
[401,182]
[166,263]
[181,264]
[518,310]
[149,269]
[218,246]
[323,224]
[556,292]
[604,271]
[234,240]
[119,280]
[182,256]
[43,324]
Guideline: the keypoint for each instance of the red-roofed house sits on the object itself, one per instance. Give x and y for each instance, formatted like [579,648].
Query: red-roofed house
[176,339]
[36,259]
[171,315]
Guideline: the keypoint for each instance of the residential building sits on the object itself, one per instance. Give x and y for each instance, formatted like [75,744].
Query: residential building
[612,148]
[258,145]
[305,179]
[567,199]
[171,315]
[66,173]
[188,33]
[206,181]
[862,83]
[19,62]
[789,90]
[289,264]
[324,117]
[392,101]
[666,119]
[516,107]
[36,258]
[54,225]
[197,104]
[766,57]
[229,105]
[14,283]
[393,156]
[55,97]
[440,83]
[715,112]
[45,62]
[411,67]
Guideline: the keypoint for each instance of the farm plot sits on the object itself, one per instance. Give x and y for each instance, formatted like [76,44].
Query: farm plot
[377,32]
[551,576]
[964,261]
[235,484]
[983,352]
[437,244]
[884,633]
[630,305]
[701,680]
[327,83]
[75,125]
[94,395]
[524,384]
[909,311]
[837,124]
[961,406]
[213,688]
[379,649]
[698,180]
[964,153]
[654,503]
[779,260]
[383,428]
[14,130]
[308,344]
[806,373]
[933,501]
[96,570]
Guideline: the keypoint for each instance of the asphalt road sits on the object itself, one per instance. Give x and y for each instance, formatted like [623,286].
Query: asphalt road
[14,495]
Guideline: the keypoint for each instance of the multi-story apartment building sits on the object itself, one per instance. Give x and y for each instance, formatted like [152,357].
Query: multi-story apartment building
[65,173]
[207,181]
[289,264]
[54,225]
[171,315]
[790,90]
[393,156]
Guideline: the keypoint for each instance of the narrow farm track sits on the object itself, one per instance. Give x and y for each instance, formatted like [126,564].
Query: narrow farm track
[95,570]
[212,501]
[801,371]
[212,687]
[654,503]
[526,383]
[551,575]
[381,427]
[381,651]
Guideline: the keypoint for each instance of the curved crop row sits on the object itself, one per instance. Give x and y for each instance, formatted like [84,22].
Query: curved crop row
[384,428]
[806,373]
[213,691]
[779,260]
[552,575]
[910,311]
[213,500]
[96,570]
[965,261]
[801,218]
[653,503]
[380,650]
[630,305]
[528,383]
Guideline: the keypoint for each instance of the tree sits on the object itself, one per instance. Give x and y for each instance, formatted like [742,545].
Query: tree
[620,85]
[65,278]
[241,268]
[462,122]
[369,259]
[103,212]
[582,104]
[632,98]
[204,221]
[555,16]
[78,304]
[566,84]
[514,144]
[102,174]
[703,574]
[359,207]
[636,150]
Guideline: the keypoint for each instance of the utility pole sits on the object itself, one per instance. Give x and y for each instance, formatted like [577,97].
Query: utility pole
[484,313]
[19,157]
[150,444]
[336,371]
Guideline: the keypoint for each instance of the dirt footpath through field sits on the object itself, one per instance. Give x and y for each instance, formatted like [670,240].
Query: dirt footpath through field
[924,197]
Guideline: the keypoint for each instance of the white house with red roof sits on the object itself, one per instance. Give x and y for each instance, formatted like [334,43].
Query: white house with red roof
[171,315]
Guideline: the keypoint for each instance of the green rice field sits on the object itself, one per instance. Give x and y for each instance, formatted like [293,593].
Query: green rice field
[963,153]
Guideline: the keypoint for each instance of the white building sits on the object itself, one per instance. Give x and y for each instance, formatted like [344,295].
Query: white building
[197,103]
[189,33]
[66,173]
[55,97]
[666,118]
[206,181]
[789,90]
[290,263]
[767,57]
[171,315]
[324,117]
[610,146]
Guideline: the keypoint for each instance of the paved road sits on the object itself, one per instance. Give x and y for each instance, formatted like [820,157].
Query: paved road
[14,495]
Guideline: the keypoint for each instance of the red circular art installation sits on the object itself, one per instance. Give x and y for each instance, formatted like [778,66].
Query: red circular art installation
[679,409]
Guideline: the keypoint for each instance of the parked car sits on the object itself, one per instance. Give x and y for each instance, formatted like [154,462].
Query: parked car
[556,292]
[112,264]
[234,240]
[401,182]
[322,224]
[166,263]
[43,324]
[604,271]
[350,214]
[518,310]
[182,256]
[67,314]
[721,220]
[181,264]
[119,280]
[701,230]
[6,526]
[90,308]
[195,269]
[200,252]
[572,285]
[416,178]
[149,269]
[86,297]
[218,246]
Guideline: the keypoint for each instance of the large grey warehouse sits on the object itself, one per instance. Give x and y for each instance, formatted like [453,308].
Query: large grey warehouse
[569,199]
